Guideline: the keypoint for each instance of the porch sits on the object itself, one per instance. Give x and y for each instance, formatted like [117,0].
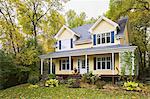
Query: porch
[98,60]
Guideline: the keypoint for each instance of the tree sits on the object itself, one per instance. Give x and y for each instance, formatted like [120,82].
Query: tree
[138,12]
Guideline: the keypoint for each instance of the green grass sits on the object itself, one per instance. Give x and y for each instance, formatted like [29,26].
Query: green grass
[62,92]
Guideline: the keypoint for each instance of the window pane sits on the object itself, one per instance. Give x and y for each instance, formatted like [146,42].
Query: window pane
[98,65]
[103,65]
[108,39]
[83,63]
[63,66]
[103,38]
[67,66]
[98,39]
[98,59]
[108,65]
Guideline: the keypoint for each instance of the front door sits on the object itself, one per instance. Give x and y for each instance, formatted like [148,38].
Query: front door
[81,65]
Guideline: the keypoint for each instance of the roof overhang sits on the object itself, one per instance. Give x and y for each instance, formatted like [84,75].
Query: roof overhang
[61,30]
[89,51]
[103,18]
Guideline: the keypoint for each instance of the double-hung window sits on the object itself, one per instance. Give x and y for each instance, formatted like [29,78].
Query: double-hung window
[103,62]
[103,38]
[65,64]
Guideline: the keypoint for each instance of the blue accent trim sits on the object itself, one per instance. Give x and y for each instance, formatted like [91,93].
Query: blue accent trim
[94,39]
[112,37]
[71,43]
[60,45]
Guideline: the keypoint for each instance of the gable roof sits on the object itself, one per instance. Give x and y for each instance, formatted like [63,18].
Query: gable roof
[65,27]
[103,18]
[85,36]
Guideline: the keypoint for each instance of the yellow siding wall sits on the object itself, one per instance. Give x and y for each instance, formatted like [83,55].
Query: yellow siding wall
[125,39]
[103,27]
[91,67]
[66,34]
[83,46]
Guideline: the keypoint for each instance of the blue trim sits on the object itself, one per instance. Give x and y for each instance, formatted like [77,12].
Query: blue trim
[94,39]
[60,45]
[112,37]
[71,43]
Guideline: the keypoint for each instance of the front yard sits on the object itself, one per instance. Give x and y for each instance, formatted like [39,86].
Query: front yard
[63,92]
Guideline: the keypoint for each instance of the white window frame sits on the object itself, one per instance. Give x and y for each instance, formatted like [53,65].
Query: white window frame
[102,61]
[100,35]
[66,63]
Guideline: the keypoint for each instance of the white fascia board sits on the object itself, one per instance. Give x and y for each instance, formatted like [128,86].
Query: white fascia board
[61,30]
[103,18]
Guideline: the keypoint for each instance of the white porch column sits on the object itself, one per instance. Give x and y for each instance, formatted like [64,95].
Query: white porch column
[69,62]
[51,63]
[42,66]
[132,62]
[113,72]
[119,63]
[86,62]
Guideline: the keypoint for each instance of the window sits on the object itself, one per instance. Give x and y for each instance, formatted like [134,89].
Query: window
[103,38]
[108,37]
[98,39]
[103,63]
[65,64]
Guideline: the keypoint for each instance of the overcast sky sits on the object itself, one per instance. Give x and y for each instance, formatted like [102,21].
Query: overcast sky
[92,8]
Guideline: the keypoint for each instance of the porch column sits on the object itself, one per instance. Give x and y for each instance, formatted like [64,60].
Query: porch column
[51,65]
[69,62]
[113,72]
[119,63]
[42,66]
[132,62]
[86,61]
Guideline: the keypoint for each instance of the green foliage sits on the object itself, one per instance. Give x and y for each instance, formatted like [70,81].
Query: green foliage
[51,83]
[73,83]
[89,78]
[33,77]
[126,61]
[138,13]
[131,86]
[100,84]
[52,76]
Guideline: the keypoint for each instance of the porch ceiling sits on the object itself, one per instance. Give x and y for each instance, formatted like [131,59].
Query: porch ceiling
[89,51]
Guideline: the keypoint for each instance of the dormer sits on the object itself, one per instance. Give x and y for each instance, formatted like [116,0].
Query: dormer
[103,32]
[65,39]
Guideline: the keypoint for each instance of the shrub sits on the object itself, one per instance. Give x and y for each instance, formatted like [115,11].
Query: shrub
[131,86]
[52,76]
[51,83]
[73,83]
[33,77]
[89,78]
[100,84]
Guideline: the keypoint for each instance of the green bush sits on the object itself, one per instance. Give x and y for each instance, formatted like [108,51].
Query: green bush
[100,84]
[51,83]
[131,86]
[33,77]
[52,76]
[73,83]
[89,78]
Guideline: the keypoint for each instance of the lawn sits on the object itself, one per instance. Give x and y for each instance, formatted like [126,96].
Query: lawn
[63,92]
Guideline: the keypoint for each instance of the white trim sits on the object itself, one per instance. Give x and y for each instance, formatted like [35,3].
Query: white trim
[100,19]
[86,61]
[69,62]
[51,65]
[113,65]
[61,30]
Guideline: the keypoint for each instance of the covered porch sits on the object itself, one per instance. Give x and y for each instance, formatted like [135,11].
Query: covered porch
[98,60]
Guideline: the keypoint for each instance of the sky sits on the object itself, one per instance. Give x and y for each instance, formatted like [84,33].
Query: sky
[92,8]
